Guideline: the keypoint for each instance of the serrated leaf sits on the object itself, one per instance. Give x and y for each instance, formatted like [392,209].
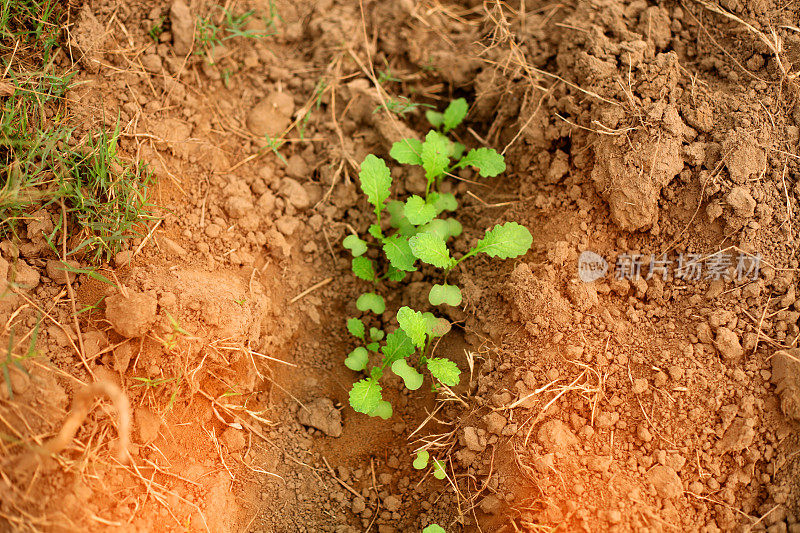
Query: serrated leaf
[362,268]
[357,359]
[445,294]
[356,246]
[435,155]
[488,162]
[365,395]
[434,528]
[394,274]
[438,469]
[444,370]
[504,241]
[412,379]
[383,410]
[375,181]
[414,324]
[455,114]
[371,302]
[373,346]
[436,326]
[375,231]
[431,249]
[421,460]
[356,327]
[435,118]
[407,152]
[376,334]
[398,346]
[444,201]
[418,212]
[399,253]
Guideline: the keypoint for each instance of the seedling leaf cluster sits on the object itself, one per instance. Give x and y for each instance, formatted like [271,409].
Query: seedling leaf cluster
[417,232]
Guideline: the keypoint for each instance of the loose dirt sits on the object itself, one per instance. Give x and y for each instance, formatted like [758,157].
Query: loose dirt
[629,129]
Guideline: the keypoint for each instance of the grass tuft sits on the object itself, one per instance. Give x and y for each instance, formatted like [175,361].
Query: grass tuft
[42,163]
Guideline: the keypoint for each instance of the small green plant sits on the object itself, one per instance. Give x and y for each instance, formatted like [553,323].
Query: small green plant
[157,29]
[151,383]
[400,106]
[209,33]
[417,231]
[434,528]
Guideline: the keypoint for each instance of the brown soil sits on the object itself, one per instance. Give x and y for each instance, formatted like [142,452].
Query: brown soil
[628,128]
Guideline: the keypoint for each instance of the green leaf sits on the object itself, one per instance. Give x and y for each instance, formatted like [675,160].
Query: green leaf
[355,327]
[376,334]
[399,253]
[422,459]
[371,302]
[407,152]
[414,324]
[504,241]
[435,118]
[362,268]
[418,212]
[488,162]
[457,150]
[436,326]
[434,528]
[365,395]
[454,228]
[375,181]
[444,370]
[383,410]
[445,294]
[455,113]
[398,346]
[375,231]
[438,469]
[357,359]
[435,155]
[436,227]
[394,274]
[396,210]
[373,346]
[444,201]
[406,229]
[356,246]
[431,249]
[411,378]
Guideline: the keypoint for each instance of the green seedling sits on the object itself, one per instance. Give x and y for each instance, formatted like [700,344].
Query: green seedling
[209,33]
[434,528]
[438,469]
[157,29]
[417,232]
[151,383]
[454,115]
[400,106]
[421,461]
[445,294]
